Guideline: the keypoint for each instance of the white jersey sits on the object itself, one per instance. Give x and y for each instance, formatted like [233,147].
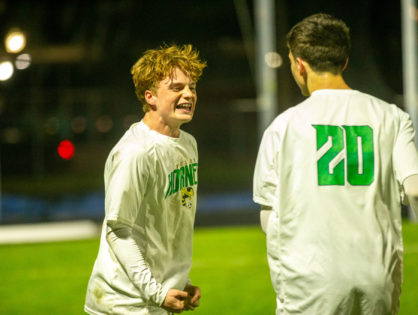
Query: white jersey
[150,185]
[331,168]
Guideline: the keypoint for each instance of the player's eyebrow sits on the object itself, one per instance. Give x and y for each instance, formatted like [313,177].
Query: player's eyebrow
[181,85]
[175,85]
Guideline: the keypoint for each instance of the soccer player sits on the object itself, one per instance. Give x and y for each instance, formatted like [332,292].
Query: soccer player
[150,196]
[330,175]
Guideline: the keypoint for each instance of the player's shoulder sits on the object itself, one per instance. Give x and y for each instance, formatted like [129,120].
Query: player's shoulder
[383,106]
[134,144]
[277,127]
[282,119]
[188,138]
[371,98]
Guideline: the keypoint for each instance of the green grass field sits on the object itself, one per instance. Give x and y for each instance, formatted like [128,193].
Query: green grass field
[229,265]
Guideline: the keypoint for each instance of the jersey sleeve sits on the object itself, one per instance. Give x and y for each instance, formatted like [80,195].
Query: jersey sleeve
[119,237]
[405,156]
[126,180]
[265,175]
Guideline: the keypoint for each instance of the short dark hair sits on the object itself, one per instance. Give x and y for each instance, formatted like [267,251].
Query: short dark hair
[322,40]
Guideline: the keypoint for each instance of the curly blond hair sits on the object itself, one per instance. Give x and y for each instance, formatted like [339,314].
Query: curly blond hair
[157,64]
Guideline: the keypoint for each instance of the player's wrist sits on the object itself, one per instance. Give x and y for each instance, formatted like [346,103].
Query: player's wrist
[159,297]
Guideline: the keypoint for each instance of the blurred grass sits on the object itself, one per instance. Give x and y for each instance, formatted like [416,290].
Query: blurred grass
[46,278]
[409,298]
[229,265]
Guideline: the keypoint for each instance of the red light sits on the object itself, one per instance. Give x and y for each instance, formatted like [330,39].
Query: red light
[66,150]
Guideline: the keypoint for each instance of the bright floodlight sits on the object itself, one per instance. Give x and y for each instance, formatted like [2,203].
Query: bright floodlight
[6,70]
[273,59]
[15,42]
[23,61]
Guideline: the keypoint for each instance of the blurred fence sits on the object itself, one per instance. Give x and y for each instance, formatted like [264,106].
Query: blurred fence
[214,209]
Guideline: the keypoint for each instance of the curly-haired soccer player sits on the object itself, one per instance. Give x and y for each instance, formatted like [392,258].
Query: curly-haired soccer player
[146,244]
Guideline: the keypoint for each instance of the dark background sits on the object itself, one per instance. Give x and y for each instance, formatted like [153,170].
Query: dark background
[82,54]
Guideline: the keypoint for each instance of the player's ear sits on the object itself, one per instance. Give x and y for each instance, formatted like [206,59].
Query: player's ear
[301,66]
[150,97]
[346,64]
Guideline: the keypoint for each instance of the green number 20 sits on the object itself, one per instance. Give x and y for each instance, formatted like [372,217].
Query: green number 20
[358,153]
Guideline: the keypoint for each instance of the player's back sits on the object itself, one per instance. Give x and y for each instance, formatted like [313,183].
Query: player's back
[340,143]
[337,222]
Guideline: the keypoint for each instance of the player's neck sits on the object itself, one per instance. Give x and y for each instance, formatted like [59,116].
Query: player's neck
[325,80]
[157,124]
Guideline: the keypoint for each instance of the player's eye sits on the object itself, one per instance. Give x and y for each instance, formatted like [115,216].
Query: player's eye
[177,88]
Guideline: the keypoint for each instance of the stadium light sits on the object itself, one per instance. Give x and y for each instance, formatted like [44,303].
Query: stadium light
[273,59]
[6,70]
[23,61]
[15,41]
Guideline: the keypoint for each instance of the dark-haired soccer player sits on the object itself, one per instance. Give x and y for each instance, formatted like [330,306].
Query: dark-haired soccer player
[329,177]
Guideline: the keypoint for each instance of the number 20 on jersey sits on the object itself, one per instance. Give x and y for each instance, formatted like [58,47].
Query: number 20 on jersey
[338,146]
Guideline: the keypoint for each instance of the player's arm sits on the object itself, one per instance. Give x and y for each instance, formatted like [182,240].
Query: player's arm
[130,256]
[410,186]
[405,160]
[265,176]
[264,217]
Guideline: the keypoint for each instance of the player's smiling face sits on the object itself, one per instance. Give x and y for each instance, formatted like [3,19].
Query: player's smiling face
[174,100]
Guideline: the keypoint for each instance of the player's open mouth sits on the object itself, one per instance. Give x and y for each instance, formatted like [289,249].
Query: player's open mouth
[185,106]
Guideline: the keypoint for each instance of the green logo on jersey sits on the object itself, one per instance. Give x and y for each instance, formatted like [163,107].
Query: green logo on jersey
[358,152]
[184,176]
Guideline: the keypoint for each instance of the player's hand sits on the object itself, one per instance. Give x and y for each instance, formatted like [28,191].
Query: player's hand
[193,299]
[175,301]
